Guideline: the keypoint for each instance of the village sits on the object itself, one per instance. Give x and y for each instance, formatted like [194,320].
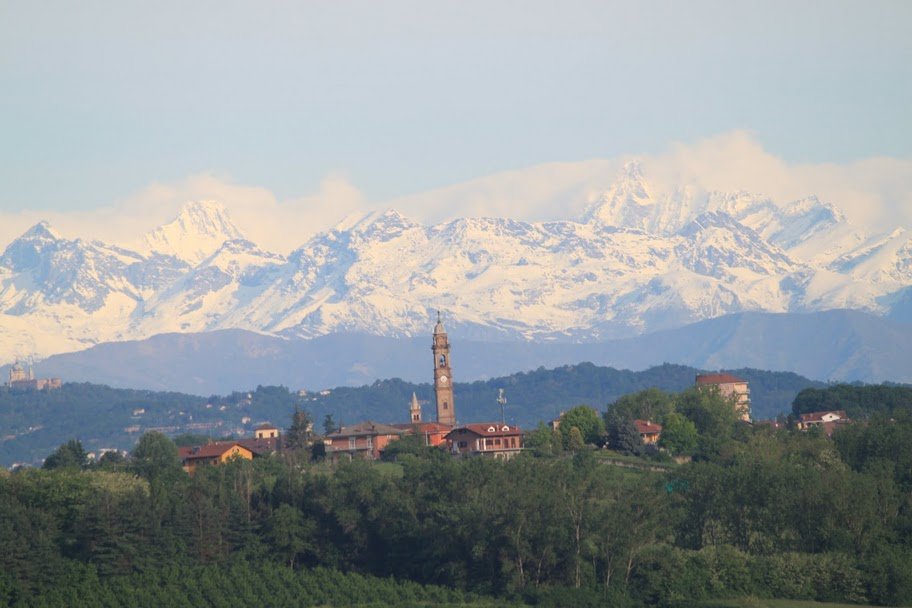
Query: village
[499,439]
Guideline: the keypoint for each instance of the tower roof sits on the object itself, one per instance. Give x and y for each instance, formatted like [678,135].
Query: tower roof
[414,403]
[438,328]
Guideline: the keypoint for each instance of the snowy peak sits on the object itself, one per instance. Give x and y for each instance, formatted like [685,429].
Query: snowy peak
[628,203]
[196,233]
[802,220]
[28,250]
[42,230]
[716,244]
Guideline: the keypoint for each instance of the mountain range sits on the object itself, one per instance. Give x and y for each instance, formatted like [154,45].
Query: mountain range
[640,260]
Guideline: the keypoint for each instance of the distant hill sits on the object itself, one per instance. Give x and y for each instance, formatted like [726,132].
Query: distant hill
[835,345]
[858,401]
[33,424]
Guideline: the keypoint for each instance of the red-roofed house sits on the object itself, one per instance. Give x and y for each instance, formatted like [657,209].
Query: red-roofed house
[729,386]
[827,420]
[649,431]
[489,438]
[364,440]
[212,454]
[434,433]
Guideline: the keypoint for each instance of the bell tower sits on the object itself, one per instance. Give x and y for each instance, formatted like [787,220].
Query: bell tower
[415,410]
[443,379]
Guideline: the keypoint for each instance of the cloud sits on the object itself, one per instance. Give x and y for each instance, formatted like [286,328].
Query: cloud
[875,193]
[274,224]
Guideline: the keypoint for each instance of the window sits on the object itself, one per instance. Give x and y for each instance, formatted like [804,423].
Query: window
[446,405]
[441,361]
[463,444]
[351,443]
[370,442]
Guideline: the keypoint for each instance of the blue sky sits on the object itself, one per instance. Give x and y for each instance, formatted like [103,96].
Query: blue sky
[101,99]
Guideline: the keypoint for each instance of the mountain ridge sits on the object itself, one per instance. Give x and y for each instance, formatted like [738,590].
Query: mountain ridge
[866,348]
[641,259]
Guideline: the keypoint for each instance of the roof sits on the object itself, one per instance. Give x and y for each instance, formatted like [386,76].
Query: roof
[438,327]
[645,427]
[425,427]
[818,416]
[719,379]
[366,428]
[260,446]
[210,450]
[489,429]
[266,427]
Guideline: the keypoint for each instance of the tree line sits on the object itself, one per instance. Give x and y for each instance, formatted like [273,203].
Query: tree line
[759,511]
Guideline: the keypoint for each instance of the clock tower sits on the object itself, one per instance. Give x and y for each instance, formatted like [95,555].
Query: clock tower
[443,379]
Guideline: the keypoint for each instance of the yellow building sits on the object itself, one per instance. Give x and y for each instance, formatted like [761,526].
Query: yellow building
[212,454]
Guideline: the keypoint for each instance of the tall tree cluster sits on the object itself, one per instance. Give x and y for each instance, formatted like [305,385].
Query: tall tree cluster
[760,512]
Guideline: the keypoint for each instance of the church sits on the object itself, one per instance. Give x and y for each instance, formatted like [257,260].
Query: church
[495,439]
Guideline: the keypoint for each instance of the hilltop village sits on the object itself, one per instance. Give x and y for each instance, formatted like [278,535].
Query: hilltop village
[659,497]
[498,439]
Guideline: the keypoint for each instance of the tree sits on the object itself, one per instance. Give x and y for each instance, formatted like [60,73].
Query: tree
[712,413]
[156,457]
[679,435]
[300,433]
[70,455]
[290,533]
[586,419]
[329,425]
[651,404]
[575,441]
[111,460]
[623,435]
[318,451]
[541,441]
[409,444]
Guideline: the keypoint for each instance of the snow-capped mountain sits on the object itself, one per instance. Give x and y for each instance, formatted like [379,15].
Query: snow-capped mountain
[642,258]
[196,233]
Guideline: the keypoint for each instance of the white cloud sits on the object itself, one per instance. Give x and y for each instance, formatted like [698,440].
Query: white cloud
[276,225]
[875,193]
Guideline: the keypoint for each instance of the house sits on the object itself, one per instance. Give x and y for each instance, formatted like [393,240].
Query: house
[649,431]
[495,439]
[826,420]
[266,431]
[729,386]
[433,433]
[212,454]
[363,440]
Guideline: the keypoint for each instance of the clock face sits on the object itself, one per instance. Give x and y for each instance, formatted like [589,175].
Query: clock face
[444,379]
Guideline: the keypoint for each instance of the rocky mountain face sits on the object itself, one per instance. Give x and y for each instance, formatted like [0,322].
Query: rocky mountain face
[639,260]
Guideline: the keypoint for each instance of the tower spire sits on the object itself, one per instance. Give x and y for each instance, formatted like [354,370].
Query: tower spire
[415,410]
[443,380]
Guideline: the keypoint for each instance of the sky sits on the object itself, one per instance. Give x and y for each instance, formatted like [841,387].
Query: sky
[112,113]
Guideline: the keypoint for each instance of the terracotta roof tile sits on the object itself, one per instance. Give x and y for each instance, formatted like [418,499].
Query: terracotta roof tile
[719,379]
[490,429]
[647,426]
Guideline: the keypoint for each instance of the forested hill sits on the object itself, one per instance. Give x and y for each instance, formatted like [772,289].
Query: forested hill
[33,424]
[858,400]
[542,394]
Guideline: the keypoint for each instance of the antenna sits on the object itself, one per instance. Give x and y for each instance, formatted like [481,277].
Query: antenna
[501,401]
